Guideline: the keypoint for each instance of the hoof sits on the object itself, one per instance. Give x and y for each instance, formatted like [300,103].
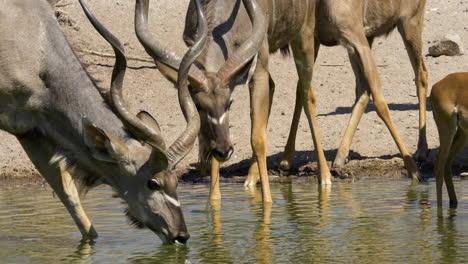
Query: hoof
[285,165]
[326,183]
[90,235]
[453,204]
[338,163]
[250,183]
[412,169]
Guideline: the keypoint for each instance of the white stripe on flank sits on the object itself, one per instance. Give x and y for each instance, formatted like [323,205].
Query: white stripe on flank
[172,200]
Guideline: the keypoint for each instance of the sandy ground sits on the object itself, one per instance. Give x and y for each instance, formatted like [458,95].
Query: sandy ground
[373,152]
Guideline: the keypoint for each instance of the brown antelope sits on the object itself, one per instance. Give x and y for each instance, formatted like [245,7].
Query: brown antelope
[74,137]
[449,98]
[241,36]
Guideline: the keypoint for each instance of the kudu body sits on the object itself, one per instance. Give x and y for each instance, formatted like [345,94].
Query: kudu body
[449,98]
[72,135]
[238,31]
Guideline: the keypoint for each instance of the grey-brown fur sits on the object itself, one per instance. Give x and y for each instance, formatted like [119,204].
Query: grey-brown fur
[70,133]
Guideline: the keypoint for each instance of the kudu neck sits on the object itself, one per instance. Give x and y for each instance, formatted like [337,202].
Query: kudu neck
[73,95]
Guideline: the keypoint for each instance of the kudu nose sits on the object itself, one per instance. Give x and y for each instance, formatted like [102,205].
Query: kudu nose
[182,238]
[224,154]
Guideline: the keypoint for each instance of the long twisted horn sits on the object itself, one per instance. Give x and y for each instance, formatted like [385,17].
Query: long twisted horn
[250,47]
[168,61]
[185,142]
[140,129]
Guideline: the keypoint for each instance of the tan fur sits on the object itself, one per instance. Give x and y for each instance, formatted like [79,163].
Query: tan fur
[449,99]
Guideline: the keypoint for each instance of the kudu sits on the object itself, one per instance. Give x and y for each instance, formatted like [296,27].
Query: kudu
[74,137]
[380,18]
[449,98]
[241,36]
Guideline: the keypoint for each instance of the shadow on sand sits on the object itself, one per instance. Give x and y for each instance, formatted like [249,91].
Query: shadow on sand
[341,110]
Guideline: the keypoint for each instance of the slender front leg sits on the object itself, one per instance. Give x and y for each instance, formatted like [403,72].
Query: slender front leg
[215,193]
[254,176]
[303,51]
[71,199]
[259,105]
[60,179]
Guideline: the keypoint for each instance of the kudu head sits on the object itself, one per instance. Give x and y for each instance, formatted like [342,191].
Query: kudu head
[142,177]
[210,90]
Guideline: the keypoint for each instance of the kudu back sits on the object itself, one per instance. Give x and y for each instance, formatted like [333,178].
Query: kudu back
[74,137]
[242,34]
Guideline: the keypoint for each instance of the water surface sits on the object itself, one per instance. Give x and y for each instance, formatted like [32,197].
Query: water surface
[369,221]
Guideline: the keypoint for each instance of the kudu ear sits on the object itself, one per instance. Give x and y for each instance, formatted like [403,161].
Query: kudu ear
[103,146]
[244,76]
[158,158]
[149,120]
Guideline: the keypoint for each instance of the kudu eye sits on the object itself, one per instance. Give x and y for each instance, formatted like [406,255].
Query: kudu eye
[154,185]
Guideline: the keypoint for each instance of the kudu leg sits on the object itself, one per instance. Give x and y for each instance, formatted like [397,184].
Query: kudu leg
[259,104]
[357,45]
[290,147]
[411,33]
[59,178]
[303,51]
[459,142]
[446,126]
[209,163]
[362,100]
[253,176]
[215,193]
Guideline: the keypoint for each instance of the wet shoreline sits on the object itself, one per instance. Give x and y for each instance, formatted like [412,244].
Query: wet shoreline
[236,173]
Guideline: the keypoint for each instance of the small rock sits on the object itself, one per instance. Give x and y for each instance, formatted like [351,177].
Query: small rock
[449,45]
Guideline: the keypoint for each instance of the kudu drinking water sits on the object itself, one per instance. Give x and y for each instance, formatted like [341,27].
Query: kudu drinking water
[240,30]
[449,98]
[73,136]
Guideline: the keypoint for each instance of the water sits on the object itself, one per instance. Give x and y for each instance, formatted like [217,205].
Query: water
[369,221]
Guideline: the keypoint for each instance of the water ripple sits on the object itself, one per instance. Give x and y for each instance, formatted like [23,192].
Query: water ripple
[368,221]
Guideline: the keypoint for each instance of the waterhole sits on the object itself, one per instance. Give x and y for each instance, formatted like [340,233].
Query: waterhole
[368,221]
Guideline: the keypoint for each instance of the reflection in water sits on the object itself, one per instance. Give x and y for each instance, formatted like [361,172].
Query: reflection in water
[262,235]
[323,203]
[447,243]
[214,236]
[367,221]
